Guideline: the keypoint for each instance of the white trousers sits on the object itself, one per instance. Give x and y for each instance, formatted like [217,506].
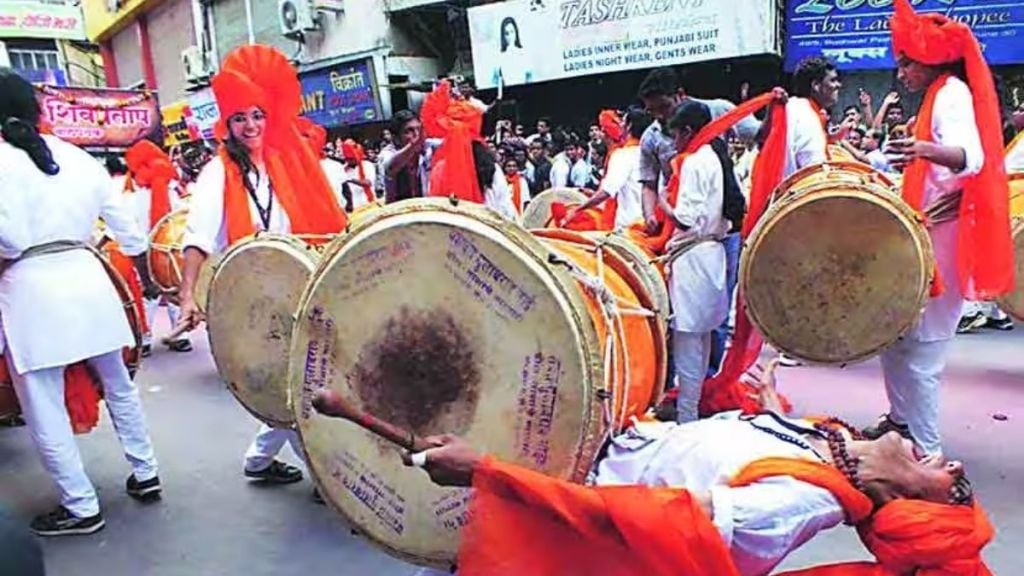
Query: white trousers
[690,352]
[152,306]
[41,394]
[913,371]
[267,443]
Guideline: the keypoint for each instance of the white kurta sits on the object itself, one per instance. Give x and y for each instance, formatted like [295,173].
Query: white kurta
[622,182]
[560,169]
[498,196]
[806,142]
[60,308]
[953,124]
[335,174]
[697,287]
[760,523]
[358,192]
[207,227]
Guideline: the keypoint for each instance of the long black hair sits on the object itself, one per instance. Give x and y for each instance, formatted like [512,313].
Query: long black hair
[239,154]
[485,164]
[19,118]
[504,43]
[696,115]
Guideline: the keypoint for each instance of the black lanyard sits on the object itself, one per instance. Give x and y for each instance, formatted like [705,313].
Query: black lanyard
[793,440]
[264,212]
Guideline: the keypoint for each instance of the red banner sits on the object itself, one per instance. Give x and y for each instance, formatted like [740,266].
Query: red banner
[100,118]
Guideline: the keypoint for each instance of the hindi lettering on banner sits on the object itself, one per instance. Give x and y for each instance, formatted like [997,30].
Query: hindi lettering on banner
[205,113]
[855,33]
[525,41]
[33,19]
[339,94]
[99,118]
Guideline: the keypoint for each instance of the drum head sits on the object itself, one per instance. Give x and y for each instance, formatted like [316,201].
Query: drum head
[441,319]
[252,300]
[538,211]
[835,273]
[1013,303]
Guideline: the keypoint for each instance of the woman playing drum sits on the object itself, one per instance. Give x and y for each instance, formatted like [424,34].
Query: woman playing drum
[53,193]
[265,178]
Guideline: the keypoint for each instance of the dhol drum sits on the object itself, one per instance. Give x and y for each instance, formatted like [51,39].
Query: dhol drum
[839,266]
[443,318]
[538,212]
[166,261]
[118,268]
[1013,303]
[837,153]
[252,300]
[643,263]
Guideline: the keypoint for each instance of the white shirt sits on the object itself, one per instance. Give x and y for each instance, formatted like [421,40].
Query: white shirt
[560,171]
[622,182]
[524,193]
[1015,157]
[358,192]
[697,285]
[60,308]
[760,523]
[806,142]
[953,124]
[498,196]
[207,227]
[878,161]
[335,174]
[579,177]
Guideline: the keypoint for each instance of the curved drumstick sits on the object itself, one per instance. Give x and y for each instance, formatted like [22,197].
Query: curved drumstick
[178,331]
[330,403]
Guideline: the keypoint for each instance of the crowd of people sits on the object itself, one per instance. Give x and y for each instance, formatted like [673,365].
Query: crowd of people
[661,172]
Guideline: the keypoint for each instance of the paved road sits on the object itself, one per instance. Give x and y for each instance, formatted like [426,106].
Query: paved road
[212,522]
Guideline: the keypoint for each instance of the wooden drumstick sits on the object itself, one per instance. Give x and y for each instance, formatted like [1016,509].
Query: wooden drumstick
[330,403]
[178,331]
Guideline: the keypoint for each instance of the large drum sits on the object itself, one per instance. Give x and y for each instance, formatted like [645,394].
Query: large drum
[643,264]
[1013,303]
[249,313]
[839,267]
[450,319]
[118,268]
[538,212]
[166,262]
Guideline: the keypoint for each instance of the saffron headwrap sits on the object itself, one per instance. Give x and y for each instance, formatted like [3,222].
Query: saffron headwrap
[459,123]
[985,248]
[261,76]
[150,167]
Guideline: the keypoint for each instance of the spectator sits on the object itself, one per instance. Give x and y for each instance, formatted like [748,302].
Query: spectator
[853,114]
[890,113]
[579,175]
[517,184]
[597,158]
[405,169]
[561,166]
[543,131]
[540,167]
[872,146]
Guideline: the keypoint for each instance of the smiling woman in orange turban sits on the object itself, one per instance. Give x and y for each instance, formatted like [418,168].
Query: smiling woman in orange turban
[954,175]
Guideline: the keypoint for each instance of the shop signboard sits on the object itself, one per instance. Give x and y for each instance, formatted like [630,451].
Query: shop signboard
[343,93]
[97,117]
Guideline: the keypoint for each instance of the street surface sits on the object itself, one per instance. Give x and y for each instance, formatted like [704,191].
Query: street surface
[211,522]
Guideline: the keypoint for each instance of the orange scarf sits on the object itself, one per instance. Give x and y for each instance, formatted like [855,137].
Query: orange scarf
[985,247]
[515,181]
[594,218]
[459,123]
[151,168]
[523,522]
[350,149]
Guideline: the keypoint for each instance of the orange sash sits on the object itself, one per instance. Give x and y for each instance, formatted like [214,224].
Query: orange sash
[515,181]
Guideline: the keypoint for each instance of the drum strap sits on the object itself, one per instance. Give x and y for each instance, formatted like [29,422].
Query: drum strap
[55,247]
[678,249]
[945,209]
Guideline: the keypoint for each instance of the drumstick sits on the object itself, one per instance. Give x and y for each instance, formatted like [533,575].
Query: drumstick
[178,331]
[330,403]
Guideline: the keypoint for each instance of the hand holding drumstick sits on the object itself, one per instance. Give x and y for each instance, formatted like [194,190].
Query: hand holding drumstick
[448,459]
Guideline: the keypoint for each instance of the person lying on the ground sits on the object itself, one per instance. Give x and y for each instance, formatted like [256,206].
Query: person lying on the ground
[731,495]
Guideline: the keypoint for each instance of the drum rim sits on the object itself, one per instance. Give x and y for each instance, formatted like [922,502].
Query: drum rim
[572,195]
[590,355]
[1016,229]
[300,249]
[878,195]
[841,166]
[634,253]
[182,213]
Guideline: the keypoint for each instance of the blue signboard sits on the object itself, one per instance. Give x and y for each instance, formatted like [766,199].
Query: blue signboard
[855,33]
[341,94]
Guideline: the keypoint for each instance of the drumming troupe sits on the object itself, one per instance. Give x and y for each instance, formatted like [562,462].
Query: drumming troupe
[564,391]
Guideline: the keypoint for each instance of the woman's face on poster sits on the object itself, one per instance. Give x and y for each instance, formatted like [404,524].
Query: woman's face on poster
[509,34]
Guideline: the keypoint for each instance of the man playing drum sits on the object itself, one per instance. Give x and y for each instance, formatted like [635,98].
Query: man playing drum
[953,166]
[730,495]
[265,178]
[815,89]
[58,305]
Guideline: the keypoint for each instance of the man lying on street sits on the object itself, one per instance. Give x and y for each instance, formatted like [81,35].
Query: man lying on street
[730,495]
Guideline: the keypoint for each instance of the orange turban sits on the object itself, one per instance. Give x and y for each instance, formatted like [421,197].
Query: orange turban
[151,168]
[611,123]
[314,133]
[985,250]
[351,150]
[258,75]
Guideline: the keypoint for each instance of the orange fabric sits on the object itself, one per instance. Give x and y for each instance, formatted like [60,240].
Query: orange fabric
[459,123]
[151,168]
[636,346]
[611,123]
[515,183]
[858,507]
[258,75]
[81,398]
[351,150]
[315,135]
[523,522]
[985,247]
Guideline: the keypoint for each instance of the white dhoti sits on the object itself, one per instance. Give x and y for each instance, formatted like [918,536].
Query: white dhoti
[267,443]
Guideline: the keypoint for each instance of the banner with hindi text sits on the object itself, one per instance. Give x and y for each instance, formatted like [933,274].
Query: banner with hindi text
[99,118]
[527,41]
[341,94]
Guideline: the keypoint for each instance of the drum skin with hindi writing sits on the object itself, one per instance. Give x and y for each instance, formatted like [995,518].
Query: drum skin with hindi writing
[445,318]
[252,299]
[839,267]
[538,212]
[1013,303]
